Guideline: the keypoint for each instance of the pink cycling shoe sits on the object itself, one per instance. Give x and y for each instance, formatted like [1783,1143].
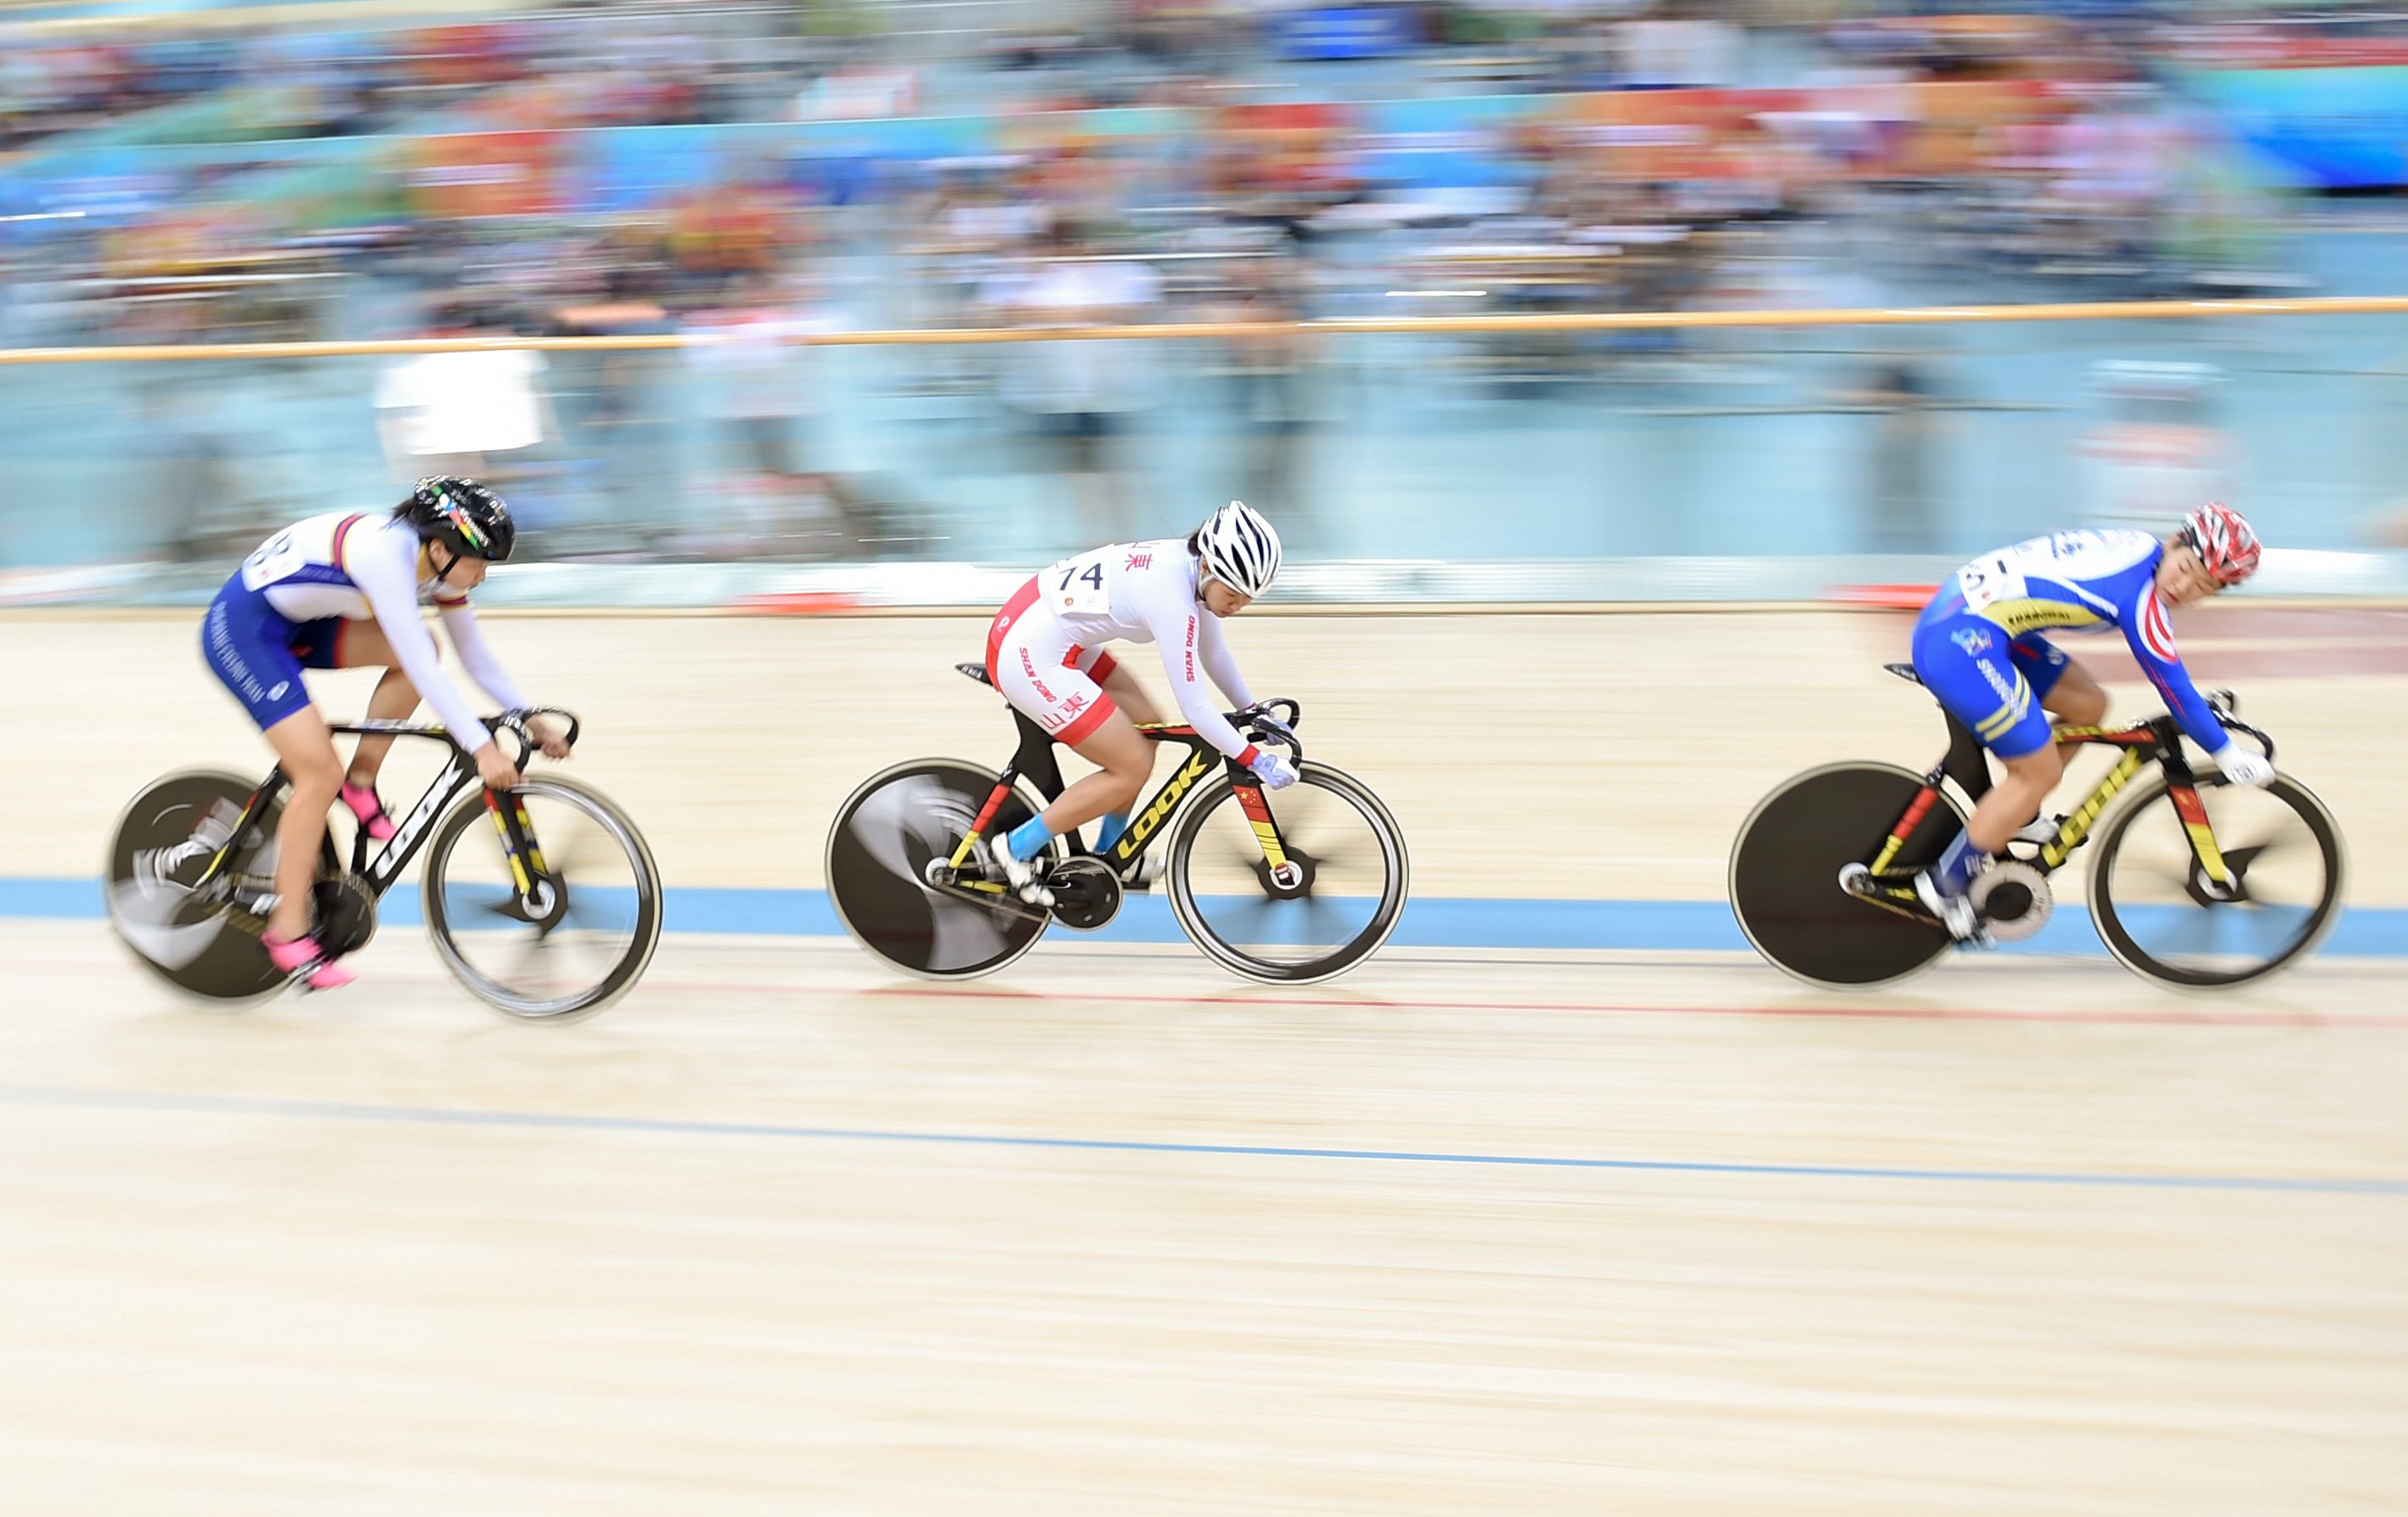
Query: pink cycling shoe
[304,957]
[370,810]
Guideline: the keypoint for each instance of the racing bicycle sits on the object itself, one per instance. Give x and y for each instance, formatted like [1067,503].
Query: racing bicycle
[2194,881]
[542,900]
[1290,888]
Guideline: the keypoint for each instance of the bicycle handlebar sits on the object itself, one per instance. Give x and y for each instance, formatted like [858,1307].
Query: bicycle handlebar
[1260,726]
[2235,724]
[514,723]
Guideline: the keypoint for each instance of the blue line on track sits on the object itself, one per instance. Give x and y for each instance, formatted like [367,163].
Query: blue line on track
[1428,922]
[335,1111]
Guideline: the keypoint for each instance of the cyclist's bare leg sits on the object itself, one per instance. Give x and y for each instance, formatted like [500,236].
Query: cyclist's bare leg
[1130,696]
[305,750]
[2016,799]
[364,646]
[1123,760]
[2076,700]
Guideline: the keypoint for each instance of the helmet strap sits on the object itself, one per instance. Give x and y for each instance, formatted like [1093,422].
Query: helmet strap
[443,575]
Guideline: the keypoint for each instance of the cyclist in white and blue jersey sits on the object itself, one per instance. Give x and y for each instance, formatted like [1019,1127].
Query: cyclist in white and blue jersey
[340,592]
[1979,648]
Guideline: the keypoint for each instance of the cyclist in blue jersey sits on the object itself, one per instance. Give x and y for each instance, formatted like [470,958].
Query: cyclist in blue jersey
[339,592]
[1979,648]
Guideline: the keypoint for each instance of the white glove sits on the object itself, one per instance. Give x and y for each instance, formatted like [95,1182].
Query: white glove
[1274,769]
[2243,766]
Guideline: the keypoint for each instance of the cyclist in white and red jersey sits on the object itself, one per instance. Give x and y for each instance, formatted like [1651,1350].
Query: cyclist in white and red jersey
[340,592]
[1045,652]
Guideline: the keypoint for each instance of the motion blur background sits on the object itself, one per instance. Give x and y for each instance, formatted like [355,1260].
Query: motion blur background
[756,174]
[1566,1202]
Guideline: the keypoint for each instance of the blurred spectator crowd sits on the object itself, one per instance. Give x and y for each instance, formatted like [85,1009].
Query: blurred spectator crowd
[174,185]
[760,173]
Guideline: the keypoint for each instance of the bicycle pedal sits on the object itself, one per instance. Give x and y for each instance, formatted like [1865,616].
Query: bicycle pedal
[306,976]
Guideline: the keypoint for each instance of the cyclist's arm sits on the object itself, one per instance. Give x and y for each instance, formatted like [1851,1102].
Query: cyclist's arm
[1213,652]
[391,587]
[1175,621]
[477,655]
[2151,634]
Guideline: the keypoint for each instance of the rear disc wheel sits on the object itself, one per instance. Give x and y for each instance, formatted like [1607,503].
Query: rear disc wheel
[1784,875]
[164,842]
[880,848]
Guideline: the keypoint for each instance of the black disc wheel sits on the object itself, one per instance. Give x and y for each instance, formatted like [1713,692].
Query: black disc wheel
[1333,900]
[2158,911]
[1784,875]
[880,848]
[574,943]
[204,944]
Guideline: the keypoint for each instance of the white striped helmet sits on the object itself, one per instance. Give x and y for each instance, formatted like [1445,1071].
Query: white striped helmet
[1239,549]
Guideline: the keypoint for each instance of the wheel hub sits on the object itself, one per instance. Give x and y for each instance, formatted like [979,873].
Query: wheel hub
[1289,879]
[2206,892]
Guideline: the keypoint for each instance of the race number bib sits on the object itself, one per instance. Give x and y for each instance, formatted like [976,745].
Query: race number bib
[1078,584]
[277,559]
[2063,557]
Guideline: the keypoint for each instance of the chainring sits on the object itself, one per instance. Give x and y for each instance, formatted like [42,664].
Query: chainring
[346,914]
[1086,893]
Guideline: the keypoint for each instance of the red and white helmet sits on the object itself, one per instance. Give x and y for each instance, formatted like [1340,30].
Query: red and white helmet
[2223,541]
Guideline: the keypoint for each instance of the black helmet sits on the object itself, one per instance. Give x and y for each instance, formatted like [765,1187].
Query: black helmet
[462,515]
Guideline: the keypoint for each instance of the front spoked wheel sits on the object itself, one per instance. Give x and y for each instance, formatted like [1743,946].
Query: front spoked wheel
[586,939]
[1334,905]
[880,849]
[2158,912]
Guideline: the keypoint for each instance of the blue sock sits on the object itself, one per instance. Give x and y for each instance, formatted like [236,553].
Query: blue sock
[1027,838]
[1107,831]
[1955,872]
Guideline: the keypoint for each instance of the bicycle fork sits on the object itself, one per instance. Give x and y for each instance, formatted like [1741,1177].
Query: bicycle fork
[539,891]
[1286,875]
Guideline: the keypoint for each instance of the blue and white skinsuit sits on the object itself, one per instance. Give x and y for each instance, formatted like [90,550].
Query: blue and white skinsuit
[289,603]
[1979,650]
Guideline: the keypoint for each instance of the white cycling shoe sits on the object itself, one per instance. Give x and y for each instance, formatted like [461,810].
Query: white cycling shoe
[1018,874]
[2041,830]
[1956,912]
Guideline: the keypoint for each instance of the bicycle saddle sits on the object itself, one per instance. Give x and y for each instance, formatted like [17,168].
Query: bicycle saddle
[1904,671]
[975,671]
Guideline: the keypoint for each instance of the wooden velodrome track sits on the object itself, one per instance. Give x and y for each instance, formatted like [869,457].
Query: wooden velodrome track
[1466,1231]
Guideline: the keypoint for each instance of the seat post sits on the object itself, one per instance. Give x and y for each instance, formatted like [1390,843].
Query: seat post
[1966,763]
[1036,758]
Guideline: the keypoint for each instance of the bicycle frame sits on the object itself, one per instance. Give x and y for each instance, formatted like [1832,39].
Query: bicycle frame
[2158,739]
[527,871]
[1036,759]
